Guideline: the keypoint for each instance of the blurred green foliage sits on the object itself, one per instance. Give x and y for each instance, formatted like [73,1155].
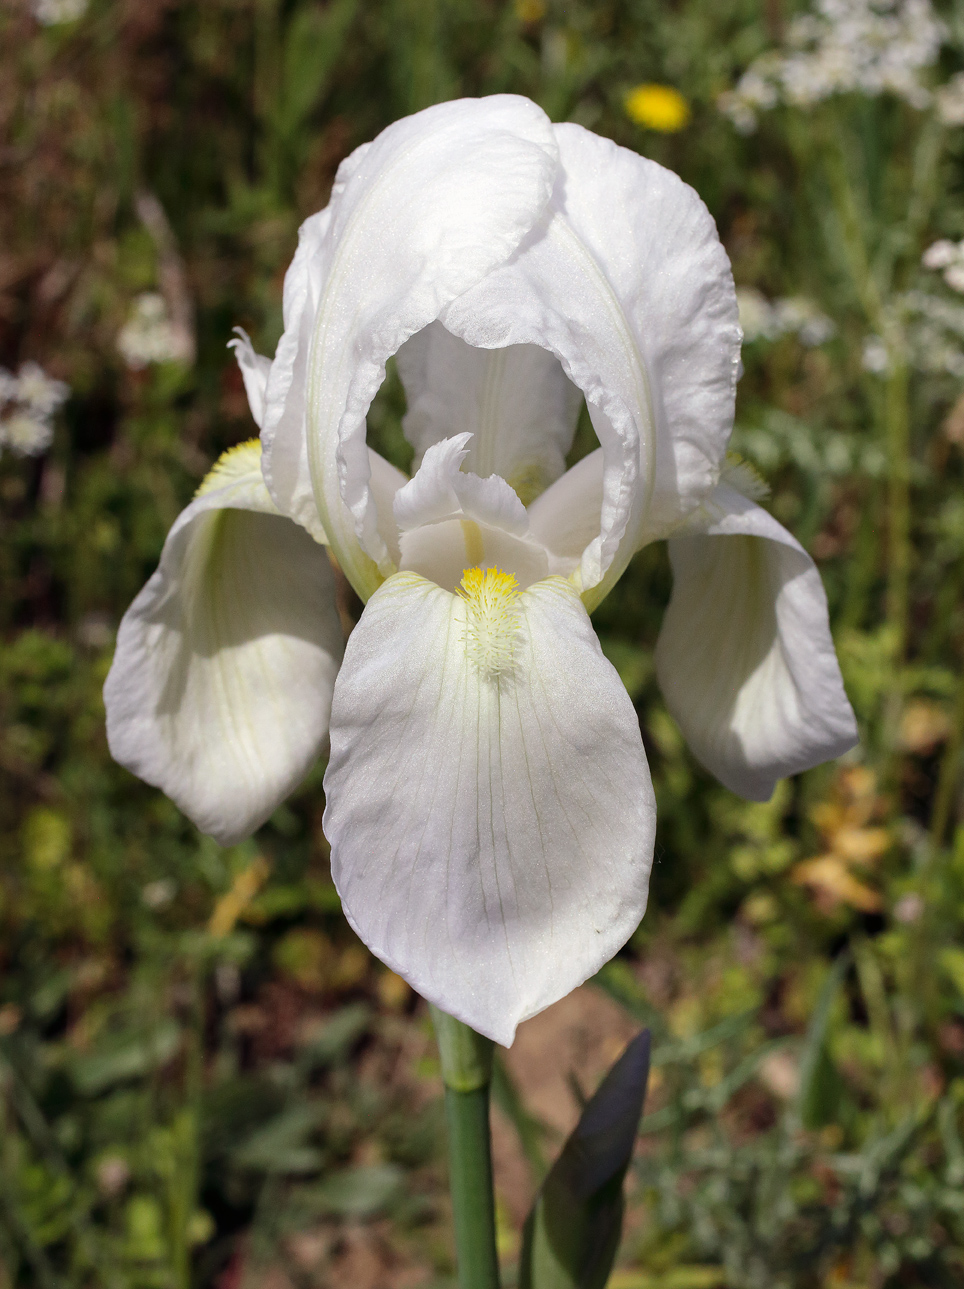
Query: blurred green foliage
[204,1078]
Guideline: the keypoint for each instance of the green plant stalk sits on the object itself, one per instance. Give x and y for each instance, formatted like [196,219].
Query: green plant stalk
[897,432]
[466,1059]
[184,1184]
[267,74]
[895,415]
[947,779]
[919,983]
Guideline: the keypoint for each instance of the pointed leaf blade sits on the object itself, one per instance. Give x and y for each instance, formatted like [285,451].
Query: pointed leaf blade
[572,1233]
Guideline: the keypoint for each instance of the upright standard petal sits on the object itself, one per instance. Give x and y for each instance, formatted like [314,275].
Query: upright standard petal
[626,281]
[565,518]
[419,216]
[517,404]
[286,390]
[221,683]
[744,658]
[508,860]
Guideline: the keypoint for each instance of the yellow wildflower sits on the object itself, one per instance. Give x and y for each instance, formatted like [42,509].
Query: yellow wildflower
[657,107]
[530,11]
[234,902]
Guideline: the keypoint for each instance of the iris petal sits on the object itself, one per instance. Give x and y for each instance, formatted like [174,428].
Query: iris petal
[417,217]
[221,683]
[626,282]
[744,658]
[490,809]
[516,403]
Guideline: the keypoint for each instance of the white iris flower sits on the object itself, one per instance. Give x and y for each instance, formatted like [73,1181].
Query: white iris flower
[489,805]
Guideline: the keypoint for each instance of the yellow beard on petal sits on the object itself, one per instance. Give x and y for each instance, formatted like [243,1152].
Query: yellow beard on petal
[492,620]
[237,463]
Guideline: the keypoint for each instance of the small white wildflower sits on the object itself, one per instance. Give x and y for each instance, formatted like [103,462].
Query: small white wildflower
[948,256]
[940,254]
[51,13]
[157,894]
[39,392]
[756,314]
[909,908]
[954,277]
[149,336]
[25,434]
[935,308]
[875,358]
[28,402]
[8,387]
[792,315]
[949,99]
[741,114]
[755,92]
[796,314]
[95,630]
[869,47]
[113,1173]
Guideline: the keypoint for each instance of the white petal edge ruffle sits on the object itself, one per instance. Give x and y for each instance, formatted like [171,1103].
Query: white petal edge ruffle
[418,216]
[442,490]
[745,659]
[491,838]
[626,282]
[220,688]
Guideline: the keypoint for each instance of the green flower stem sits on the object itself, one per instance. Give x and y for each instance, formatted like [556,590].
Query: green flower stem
[897,427]
[949,771]
[467,1073]
[895,411]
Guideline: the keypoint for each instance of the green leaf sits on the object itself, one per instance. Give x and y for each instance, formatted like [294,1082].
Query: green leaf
[126,1056]
[530,1130]
[359,1192]
[313,44]
[572,1233]
[821,1086]
[339,1036]
[280,1146]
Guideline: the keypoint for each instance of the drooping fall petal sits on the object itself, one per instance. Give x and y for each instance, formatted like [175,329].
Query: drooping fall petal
[221,684]
[744,658]
[490,809]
